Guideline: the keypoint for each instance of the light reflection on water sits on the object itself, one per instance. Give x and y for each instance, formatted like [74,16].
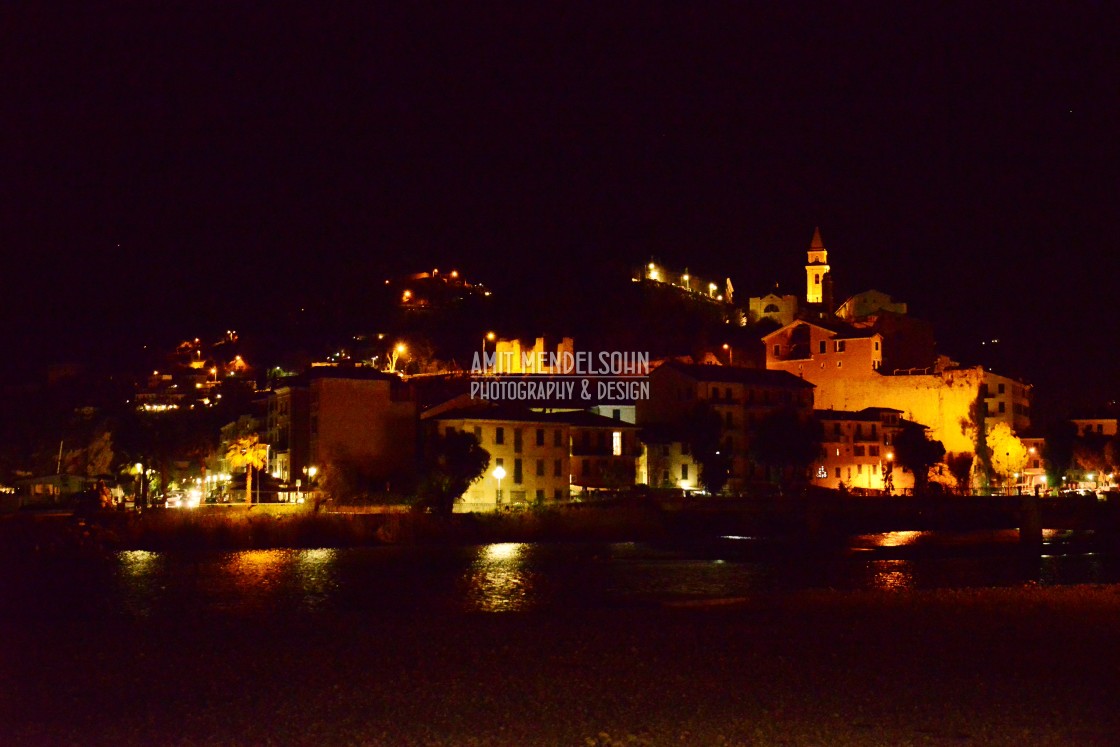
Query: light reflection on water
[512,577]
[498,580]
[139,580]
[896,539]
[893,575]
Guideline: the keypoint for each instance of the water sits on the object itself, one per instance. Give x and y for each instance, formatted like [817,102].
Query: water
[526,577]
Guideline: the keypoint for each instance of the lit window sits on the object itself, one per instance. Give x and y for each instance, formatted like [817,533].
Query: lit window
[616,443]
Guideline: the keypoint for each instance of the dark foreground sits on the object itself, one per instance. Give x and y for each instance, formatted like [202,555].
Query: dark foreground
[1028,665]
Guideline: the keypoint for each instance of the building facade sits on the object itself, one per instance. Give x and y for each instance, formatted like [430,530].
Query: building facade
[857,451]
[740,397]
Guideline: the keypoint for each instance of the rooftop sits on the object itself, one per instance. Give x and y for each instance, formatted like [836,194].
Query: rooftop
[739,375]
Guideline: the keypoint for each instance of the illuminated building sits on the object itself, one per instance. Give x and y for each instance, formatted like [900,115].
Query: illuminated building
[1095,426]
[289,431]
[363,415]
[868,304]
[655,272]
[667,461]
[740,397]
[544,457]
[871,354]
[817,272]
[780,308]
[857,450]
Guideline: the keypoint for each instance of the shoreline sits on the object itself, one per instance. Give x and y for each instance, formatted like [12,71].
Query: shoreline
[1029,665]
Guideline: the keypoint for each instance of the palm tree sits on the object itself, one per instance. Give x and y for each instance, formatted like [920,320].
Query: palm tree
[248,452]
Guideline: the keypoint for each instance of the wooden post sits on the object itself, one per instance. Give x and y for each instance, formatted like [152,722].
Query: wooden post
[1030,523]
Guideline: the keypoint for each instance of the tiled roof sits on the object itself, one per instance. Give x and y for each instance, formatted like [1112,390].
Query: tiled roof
[761,377]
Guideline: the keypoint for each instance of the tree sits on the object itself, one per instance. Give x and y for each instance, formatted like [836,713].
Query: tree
[1057,451]
[1091,452]
[960,467]
[977,426]
[915,452]
[702,432]
[249,453]
[783,440]
[1008,454]
[451,463]
[99,455]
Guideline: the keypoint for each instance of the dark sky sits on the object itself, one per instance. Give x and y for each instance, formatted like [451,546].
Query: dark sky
[171,165]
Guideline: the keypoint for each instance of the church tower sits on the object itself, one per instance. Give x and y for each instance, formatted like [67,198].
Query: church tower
[816,269]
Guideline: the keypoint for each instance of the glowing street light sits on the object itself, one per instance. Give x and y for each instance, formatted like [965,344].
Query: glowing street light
[499,472]
[730,354]
[397,351]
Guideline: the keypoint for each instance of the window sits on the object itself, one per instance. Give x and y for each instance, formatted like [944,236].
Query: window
[771,308]
[499,462]
[777,350]
[839,364]
[499,436]
[873,450]
[517,440]
[817,279]
[836,428]
[478,433]
[858,450]
[684,471]
[557,439]
[558,468]
[859,469]
[822,347]
[557,494]
[540,468]
[616,443]
[728,419]
[540,436]
[837,473]
[839,345]
[616,414]
[586,467]
[876,344]
[1002,388]
[1003,407]
[518,476]
[540,496]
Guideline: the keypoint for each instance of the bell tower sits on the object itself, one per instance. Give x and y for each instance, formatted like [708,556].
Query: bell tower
[816,269]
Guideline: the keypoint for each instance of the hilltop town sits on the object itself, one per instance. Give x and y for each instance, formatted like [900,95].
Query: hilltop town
[692,390]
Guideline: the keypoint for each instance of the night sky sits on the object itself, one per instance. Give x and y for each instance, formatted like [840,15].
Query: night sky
[168,167]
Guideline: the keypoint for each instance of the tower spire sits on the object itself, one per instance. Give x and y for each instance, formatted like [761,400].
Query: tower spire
[817,242]
[816,269]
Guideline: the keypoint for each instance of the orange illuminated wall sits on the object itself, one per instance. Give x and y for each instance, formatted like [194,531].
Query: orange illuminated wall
[363,418]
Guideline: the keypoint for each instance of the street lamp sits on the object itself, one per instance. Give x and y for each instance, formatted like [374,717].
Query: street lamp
[488,336]
[730,354]
[499,472]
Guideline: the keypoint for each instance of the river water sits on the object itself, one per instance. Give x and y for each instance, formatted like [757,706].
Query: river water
[529,577]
